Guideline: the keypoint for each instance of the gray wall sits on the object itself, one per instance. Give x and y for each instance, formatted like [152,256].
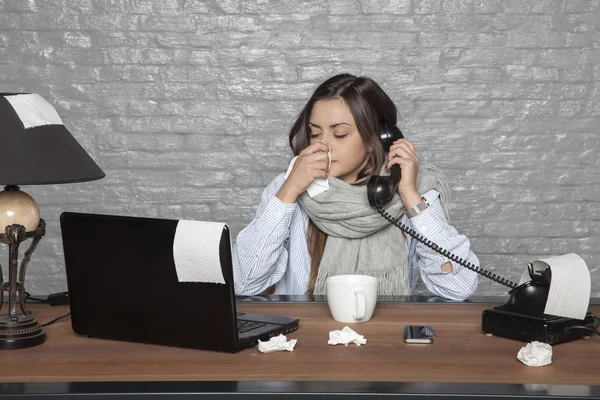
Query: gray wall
[186,106]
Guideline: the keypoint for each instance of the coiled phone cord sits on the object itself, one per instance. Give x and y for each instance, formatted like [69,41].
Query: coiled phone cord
[490,275]
[591,329]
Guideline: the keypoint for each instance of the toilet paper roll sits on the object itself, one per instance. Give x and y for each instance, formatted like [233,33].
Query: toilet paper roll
[570,286]
[33,110]
[196,251]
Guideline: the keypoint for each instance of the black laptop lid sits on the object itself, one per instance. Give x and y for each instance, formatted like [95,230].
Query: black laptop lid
[123,284]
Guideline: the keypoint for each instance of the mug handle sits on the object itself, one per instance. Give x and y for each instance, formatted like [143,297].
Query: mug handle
[361,305]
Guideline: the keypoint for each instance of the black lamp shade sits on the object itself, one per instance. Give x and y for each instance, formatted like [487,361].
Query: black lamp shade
[35,146]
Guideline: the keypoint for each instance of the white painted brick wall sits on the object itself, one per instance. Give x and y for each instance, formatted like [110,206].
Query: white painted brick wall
[186,106]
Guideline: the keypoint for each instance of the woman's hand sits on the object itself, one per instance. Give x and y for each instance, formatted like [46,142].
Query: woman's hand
[402,153]
[312,163]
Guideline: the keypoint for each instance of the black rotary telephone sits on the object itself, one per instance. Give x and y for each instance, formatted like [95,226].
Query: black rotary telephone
[522,317]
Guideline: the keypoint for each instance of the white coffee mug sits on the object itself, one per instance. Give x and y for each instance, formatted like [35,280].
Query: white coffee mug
[351,298]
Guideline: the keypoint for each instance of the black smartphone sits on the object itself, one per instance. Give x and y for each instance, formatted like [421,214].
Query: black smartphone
[418,334]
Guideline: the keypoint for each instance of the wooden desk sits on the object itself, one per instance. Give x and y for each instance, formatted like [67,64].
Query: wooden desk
[461,354]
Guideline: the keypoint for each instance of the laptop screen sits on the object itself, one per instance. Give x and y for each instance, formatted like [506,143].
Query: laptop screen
[123,283]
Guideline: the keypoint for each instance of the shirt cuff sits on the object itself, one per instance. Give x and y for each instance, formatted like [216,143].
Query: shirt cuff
[429,222]
[278,213]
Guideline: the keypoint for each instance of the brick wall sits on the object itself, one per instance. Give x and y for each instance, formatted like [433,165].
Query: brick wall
[186,106]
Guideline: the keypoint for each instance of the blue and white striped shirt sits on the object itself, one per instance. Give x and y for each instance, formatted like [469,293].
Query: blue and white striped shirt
[272,250]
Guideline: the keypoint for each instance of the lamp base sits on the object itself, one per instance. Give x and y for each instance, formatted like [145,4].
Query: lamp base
[22,333]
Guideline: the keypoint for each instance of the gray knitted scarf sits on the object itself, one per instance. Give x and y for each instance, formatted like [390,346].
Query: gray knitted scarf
[360,240]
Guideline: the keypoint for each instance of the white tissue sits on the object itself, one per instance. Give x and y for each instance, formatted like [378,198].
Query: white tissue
[33,110]
[276,343]
[318,185]
[570,287]
[535,354]
[346,336]
[196,251]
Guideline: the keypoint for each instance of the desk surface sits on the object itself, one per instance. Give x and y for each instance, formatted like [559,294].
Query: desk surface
[461,353]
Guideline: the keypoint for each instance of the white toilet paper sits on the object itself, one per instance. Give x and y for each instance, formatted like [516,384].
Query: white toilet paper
[276,343]
[346,336]
[318,185]
[196,251]
[33,110]
[570,286]
[535,354]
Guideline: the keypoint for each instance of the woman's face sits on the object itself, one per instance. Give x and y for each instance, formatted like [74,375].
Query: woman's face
[332,122]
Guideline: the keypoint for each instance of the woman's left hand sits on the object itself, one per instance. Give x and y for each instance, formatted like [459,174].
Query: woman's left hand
[402,152]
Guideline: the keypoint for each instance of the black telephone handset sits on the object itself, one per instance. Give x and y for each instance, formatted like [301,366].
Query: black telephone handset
[381,189]
[522,317]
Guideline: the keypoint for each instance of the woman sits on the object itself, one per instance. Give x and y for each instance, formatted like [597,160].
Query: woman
[296,241]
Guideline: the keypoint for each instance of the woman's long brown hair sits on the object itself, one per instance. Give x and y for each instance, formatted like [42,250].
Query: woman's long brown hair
[369,104]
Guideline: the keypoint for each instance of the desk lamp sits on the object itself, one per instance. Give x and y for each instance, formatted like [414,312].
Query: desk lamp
[35,149]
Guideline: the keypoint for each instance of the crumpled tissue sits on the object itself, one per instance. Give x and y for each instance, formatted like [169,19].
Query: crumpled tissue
[276,343]
[346,336]
[536,354]
[318,185]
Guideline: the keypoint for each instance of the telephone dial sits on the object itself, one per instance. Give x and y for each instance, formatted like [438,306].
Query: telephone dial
[522,317]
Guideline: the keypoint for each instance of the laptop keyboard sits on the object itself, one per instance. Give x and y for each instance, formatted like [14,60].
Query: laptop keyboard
[246,326]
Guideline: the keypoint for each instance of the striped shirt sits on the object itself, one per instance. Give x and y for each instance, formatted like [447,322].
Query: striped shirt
[272,250]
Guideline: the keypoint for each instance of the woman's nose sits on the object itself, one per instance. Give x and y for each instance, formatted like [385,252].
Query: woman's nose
[329,145]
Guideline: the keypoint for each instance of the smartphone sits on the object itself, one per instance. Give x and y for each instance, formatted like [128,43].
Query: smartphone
[418,334]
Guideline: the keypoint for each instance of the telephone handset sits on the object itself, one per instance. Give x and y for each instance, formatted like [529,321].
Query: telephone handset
[522,317]
[381,189]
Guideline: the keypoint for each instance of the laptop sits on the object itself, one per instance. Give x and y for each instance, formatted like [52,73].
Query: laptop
[123,285]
